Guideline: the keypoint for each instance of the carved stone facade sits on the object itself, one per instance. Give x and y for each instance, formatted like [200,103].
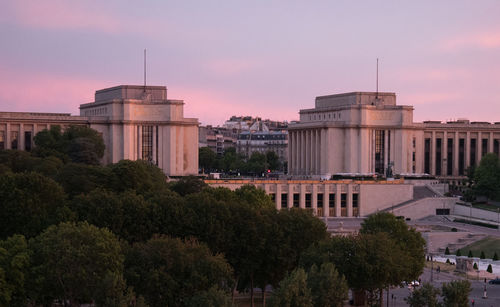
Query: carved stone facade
[136,122]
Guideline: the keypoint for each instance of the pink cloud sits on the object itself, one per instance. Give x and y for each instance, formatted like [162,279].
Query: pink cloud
[36,92]
[60,15]
[479,40]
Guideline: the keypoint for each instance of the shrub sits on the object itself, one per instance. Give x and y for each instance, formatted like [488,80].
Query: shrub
[459,252]
[483,256]
[495,256]
[489,269]
[448,261]
[447,251]
[453,229]
[474,266]
[470,255]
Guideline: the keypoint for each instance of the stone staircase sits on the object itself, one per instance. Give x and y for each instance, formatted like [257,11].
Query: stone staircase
[462,242]
[419,192]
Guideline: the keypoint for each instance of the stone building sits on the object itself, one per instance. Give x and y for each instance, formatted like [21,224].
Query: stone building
[136,122]
[366,132]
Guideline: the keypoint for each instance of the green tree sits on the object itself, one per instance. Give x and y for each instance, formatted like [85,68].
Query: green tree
[495,257]
[78,178]
[470,255]
[80,144]
[459,252]
[410,242]
[273,160]
[474,266]
[456,293]
[207,159]
[482,256]
[14,266]
[293,291]
[213,297]
[489,269]
[168,271]
[328,287]
[188,185]
[30,202]
[257,164]
[141,176]
[487,176]
[425,296]
[80,263]
[447,251]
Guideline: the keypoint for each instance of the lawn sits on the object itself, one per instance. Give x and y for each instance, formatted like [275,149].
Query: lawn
[485,206]
[488,245]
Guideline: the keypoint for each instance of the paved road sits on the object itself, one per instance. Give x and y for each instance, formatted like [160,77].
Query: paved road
[396,296]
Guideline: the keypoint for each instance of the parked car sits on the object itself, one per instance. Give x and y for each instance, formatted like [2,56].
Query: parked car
[495,281]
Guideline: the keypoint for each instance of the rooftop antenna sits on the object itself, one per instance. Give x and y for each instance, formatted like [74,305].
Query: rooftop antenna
[376,95]
[144,70]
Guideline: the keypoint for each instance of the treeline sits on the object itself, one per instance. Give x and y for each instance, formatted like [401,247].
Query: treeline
[120,235]
[231,162]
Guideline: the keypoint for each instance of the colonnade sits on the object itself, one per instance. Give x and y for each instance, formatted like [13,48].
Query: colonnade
[336,200]
[461,154]
[304,152]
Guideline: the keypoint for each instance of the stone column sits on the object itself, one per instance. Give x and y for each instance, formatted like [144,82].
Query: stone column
[456,141]
[467,150]
[490,142]
[7,137]
[139,142]
[308,152]
[155,157]
[314,199]
[290,151]
[433,153]
[349,200]
[479,148]
[444,154]
[326,201]
[277,196]
[313,152]
[338,191]
[386,149]
[318,152]
[20,138]
[290,195]
[302,197]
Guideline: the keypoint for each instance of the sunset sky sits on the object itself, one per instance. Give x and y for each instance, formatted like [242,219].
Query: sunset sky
[259,58]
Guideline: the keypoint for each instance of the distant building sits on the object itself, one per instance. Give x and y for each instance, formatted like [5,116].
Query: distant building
[368,133]
[136,122]
[263,140]
[216,138]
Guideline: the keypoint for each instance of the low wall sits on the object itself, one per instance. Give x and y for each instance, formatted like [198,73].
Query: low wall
[467,211]
[425,207]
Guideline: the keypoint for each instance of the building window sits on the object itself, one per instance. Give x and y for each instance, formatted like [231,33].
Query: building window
[496,147]
[296,199]
[320,200]
[331,200]
[449,158]
[147,143]
[284,200]
[355,200]
[27,140]
[308,200]
[273,197]
[14,135]
[2,140]
[379,151]
[427,156]
[343,200]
